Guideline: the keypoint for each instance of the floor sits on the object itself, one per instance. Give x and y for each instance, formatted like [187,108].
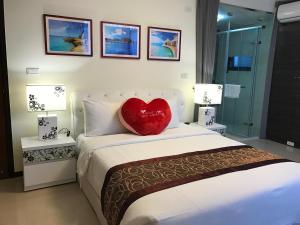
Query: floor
[271,146]
[60,205]
[66,204]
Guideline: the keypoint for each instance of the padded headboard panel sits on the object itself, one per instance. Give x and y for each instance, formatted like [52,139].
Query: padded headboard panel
[77,118]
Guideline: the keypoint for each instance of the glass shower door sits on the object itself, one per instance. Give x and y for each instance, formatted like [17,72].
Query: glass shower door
[238,74]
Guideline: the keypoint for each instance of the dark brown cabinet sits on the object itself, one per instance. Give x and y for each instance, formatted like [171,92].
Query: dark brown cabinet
[284,107]
[3,144]
[6,154]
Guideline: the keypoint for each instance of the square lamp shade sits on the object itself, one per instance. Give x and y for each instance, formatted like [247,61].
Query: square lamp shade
[46,98]
[208,94]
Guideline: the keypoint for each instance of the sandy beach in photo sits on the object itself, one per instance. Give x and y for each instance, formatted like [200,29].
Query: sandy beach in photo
[77,42]
[172,48]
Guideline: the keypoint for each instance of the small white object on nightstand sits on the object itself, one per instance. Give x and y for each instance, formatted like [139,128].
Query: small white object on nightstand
[206,116]
[207,94]
[220,128]
[47,127]
[48,163]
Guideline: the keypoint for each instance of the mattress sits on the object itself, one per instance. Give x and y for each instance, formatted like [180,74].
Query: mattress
[267,195]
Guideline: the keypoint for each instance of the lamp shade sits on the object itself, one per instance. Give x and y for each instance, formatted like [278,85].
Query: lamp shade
[46,97]
[208,94]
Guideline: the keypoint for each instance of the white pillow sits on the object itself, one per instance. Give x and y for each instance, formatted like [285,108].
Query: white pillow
[175,122]
[101,118]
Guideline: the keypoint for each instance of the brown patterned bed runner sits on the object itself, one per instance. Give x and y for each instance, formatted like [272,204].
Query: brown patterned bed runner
[128,182]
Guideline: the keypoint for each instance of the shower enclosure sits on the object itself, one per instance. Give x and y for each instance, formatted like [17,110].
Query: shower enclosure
[241,66]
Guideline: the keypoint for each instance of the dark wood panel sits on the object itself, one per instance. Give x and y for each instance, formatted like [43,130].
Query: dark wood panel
[6,153]
[3,144]
[284,107]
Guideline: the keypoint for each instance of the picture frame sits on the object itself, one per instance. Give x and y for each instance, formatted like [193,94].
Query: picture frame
[120,40]
[164,44]
[68,36]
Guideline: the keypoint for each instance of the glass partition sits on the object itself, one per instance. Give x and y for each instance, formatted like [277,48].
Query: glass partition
[241,47]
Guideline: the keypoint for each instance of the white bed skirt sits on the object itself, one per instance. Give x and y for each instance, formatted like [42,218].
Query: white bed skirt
[92,197]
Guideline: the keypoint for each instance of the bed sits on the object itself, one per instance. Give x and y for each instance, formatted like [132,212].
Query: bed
[264,195]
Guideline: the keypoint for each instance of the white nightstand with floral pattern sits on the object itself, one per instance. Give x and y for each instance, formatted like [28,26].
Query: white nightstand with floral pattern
[220,128]
[49,162]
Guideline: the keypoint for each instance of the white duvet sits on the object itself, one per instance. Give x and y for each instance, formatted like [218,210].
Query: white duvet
[268,195]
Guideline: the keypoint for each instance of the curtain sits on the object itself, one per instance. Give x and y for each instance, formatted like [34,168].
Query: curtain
[206,36]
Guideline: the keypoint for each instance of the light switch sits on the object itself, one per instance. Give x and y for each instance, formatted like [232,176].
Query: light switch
[33,70]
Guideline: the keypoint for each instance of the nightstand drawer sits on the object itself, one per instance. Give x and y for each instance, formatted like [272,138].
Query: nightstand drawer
[214,127]
[48,174]
[220,130]
[49,154]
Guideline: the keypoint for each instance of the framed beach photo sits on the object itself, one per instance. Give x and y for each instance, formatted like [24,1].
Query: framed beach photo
[68,36]
[164,44]
[119,40]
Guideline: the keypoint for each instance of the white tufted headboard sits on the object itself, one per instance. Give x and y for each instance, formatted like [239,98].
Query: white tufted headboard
[77,120]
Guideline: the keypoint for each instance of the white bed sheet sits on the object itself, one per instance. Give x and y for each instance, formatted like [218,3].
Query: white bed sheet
[88,145]
[268,195]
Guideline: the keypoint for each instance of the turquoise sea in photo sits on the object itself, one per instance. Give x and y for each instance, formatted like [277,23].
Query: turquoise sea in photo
[121,48]
[159,50]
[58,44]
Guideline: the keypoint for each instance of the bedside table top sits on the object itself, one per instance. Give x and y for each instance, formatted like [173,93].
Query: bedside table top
[32,143]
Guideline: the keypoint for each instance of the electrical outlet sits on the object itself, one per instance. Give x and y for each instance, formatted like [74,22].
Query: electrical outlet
[184,75]
[290,143]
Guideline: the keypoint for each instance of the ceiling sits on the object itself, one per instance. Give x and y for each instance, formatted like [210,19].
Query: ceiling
[241,17]
[264,5]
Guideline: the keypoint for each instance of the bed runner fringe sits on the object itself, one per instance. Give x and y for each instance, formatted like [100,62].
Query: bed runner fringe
[128,182]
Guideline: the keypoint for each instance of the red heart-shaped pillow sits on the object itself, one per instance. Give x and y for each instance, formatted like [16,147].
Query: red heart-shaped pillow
[145,119]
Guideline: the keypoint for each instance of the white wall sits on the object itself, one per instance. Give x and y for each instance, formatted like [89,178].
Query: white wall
[25,48]
[265,5]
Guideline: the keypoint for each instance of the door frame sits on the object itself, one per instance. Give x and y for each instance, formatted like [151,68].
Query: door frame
[5,95]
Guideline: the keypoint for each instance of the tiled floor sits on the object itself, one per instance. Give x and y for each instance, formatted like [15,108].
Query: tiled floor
[66,204]
[271,146]
[60,205]
[280,149]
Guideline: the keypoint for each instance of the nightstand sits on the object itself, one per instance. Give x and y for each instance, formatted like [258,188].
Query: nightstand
[215,127]
[47,163]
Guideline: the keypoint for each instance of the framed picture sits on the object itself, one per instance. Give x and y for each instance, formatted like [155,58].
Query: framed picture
[119,40]
[164,44]
[68,36]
